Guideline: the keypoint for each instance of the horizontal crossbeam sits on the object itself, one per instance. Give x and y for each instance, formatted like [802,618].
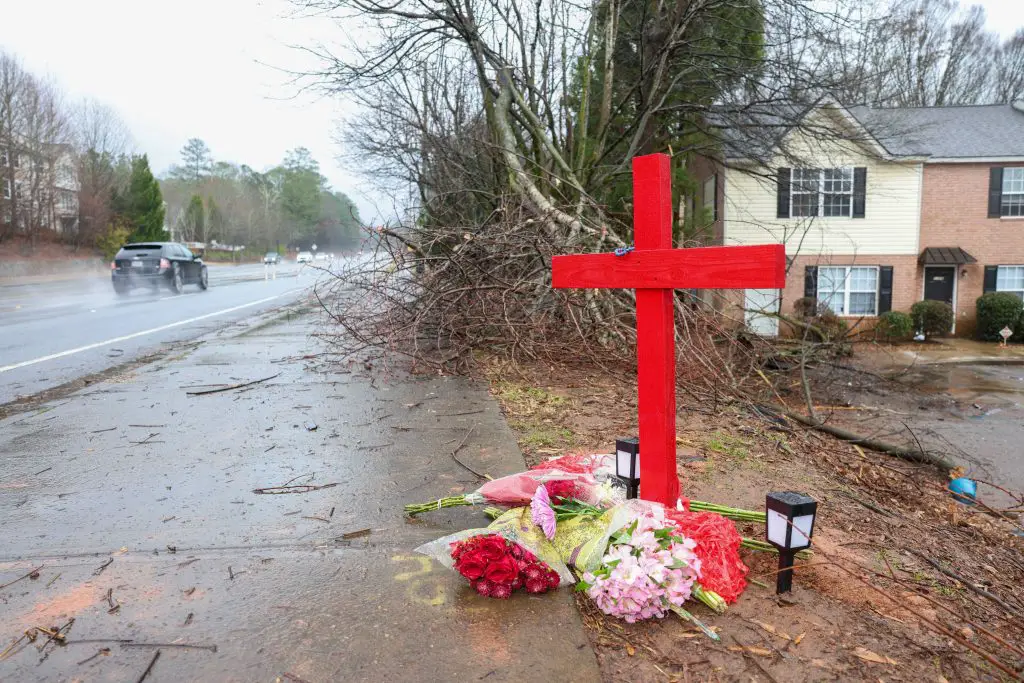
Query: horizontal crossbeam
[753,267]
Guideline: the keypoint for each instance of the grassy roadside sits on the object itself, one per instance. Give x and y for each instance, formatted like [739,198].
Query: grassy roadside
[870,603]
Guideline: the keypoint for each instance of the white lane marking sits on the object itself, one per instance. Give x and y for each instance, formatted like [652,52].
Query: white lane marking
[126,337]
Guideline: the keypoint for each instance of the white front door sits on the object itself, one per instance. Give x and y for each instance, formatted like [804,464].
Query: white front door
[757,303]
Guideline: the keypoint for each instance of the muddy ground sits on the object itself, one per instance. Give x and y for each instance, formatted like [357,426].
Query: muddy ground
[870,605]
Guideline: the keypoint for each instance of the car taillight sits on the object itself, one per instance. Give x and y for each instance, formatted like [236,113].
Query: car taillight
[164,263]
[113,265]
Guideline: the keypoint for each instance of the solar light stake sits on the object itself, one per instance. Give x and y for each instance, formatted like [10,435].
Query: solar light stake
[627,464]
[790,517]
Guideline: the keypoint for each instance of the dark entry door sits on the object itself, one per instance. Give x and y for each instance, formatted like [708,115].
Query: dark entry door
[938,283]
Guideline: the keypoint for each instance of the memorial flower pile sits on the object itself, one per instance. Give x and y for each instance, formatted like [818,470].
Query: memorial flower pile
[495,567]
[638,559]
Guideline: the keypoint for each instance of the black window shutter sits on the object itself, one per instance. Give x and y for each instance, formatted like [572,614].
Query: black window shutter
[782,193]
[811,286]
[991,272]
[995,191]
[860,186]
[811,282]
[884,289]
[714,210]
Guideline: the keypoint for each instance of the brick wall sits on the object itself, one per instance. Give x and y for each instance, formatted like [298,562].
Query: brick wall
[906,282]
[954,213]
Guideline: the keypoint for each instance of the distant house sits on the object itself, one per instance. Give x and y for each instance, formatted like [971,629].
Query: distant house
[878,208]
[39,188]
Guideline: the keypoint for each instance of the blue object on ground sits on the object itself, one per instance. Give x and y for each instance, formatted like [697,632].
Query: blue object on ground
[964,490]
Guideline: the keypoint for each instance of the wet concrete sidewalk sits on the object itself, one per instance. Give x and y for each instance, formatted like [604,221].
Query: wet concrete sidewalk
[137,500]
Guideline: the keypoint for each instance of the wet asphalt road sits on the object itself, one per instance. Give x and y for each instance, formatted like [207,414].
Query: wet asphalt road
[51,333]
[138,501]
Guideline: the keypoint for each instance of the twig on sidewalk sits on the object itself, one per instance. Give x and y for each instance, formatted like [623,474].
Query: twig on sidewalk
[99,653]
[190,646]
[292,489]
[458,448]
[156,656]
[146,440]
[231,386]
[34,572]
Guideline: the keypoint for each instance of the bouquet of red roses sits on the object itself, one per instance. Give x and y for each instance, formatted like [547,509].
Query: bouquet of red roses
[496,566]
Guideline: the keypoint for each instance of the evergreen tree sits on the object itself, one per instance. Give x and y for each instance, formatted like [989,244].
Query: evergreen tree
[143,205]
[215,222]
[193,223]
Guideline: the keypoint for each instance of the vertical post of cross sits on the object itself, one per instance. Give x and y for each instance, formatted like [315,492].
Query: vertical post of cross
[655,331]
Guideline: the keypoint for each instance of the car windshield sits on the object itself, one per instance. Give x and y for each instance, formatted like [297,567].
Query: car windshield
[140,247]
[271,253]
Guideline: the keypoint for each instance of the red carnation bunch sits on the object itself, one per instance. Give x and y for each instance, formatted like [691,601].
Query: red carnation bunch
[718,547]
[496,566]
[562,490]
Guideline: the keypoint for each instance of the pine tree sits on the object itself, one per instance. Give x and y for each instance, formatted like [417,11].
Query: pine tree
[143,204]
[193,223]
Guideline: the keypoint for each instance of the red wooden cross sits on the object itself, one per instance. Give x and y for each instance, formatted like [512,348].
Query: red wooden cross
[654,269]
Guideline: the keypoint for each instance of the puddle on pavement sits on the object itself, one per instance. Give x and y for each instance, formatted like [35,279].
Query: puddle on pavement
[967,382]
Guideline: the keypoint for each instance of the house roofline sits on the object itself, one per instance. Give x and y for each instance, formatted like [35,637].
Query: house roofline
[877,147]
[975,160]
[888,157]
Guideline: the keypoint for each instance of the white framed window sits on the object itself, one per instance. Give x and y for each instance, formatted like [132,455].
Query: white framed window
[6,185]
[824,192]
[1010,279]
[849,290]
[1012,203]
[803,192]
[5,158]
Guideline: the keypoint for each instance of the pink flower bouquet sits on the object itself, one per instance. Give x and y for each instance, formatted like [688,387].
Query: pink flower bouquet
[648,569]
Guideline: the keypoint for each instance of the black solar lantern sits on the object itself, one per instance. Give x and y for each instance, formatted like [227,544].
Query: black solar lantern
[627,464]
[790,517]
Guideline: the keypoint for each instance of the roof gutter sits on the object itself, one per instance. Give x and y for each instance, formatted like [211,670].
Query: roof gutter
[975,160]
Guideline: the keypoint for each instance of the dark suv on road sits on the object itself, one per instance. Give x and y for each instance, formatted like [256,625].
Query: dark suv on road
[152,264]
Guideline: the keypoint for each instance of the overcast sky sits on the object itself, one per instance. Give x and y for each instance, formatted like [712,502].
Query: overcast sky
[199,68]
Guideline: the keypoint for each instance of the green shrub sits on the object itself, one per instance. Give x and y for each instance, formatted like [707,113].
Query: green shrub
[113,238]
[934,318]
[997,310]
[895,325]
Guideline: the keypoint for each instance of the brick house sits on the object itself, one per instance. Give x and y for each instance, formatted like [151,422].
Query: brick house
[878,208]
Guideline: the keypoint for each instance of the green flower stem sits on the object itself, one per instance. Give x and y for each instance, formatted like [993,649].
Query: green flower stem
[414,509]
[709,598]
[732,513]
[686,616]
[765,547]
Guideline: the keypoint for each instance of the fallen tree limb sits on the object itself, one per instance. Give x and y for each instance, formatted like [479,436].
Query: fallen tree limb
[920,456]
